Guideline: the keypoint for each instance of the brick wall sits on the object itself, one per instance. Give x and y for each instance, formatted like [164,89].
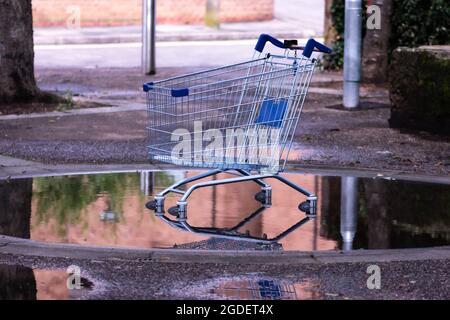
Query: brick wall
[180,11]
[128,12]
[246,10]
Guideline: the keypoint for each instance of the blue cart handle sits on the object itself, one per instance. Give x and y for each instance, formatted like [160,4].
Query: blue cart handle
[311,45]
[262,40]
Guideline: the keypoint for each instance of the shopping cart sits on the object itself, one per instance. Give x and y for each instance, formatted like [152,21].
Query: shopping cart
[238,119]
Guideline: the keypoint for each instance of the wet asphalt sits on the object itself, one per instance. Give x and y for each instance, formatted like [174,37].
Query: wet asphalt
[143,279]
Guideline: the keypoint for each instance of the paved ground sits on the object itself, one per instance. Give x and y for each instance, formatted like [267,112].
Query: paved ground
[165,274]
[293,19]
[140,279]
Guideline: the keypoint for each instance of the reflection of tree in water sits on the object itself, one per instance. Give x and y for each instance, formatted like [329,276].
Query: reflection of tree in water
[65,198]
[15,207]
[162,180]
[420,213]
[391,214]
[17,283]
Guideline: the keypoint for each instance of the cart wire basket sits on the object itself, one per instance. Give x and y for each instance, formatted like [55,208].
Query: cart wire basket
[238,119]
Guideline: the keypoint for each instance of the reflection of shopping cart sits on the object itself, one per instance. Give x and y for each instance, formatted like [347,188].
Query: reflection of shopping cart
[239,119]
[234,233]
[263,289]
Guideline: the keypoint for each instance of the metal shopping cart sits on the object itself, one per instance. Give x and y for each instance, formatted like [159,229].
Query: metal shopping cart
[238,119]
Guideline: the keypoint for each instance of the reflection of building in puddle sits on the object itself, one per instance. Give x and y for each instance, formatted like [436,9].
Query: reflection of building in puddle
[51,284]
[265,289]
[224,206]
[218,206]
[229,205]
[389,214]
[135,228]
[284,212]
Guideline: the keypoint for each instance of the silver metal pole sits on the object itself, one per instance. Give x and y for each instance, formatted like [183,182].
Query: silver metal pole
[352,53]
[349,210]
[145,182]
[148,36]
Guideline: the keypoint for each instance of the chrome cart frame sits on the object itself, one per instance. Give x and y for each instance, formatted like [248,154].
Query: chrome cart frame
[233,233]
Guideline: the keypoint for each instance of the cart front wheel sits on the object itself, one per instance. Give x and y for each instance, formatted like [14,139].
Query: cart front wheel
[151,205]
[264,197]
[304,207]
[261,197]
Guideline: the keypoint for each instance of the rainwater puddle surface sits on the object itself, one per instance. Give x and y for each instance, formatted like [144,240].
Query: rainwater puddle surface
[109,209]
[250,287]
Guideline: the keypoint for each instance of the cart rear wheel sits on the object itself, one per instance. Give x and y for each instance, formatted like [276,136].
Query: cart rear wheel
[151,205]
[304,207]
[173,211]
[261,197]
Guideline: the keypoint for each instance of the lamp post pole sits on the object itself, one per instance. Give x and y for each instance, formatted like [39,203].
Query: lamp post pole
[352,53]
[148,36]
[349,211]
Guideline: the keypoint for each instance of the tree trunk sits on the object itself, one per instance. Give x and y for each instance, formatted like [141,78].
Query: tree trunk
[376,46]
[17,82]
[329,31]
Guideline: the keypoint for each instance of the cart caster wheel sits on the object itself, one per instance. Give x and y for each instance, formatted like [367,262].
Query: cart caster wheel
[260,197]
[151,205]
[173,211]
[304,207]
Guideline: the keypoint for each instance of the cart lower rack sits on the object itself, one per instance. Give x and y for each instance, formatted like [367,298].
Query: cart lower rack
[239,119]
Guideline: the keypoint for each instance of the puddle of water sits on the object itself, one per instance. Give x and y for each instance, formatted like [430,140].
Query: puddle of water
[109,209]
[264,289]
[22,283]
[252,287]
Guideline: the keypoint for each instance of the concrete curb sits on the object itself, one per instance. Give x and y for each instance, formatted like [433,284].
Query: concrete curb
[17,246]
[162,37]
[14,168]
[119,106]
[364,173]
